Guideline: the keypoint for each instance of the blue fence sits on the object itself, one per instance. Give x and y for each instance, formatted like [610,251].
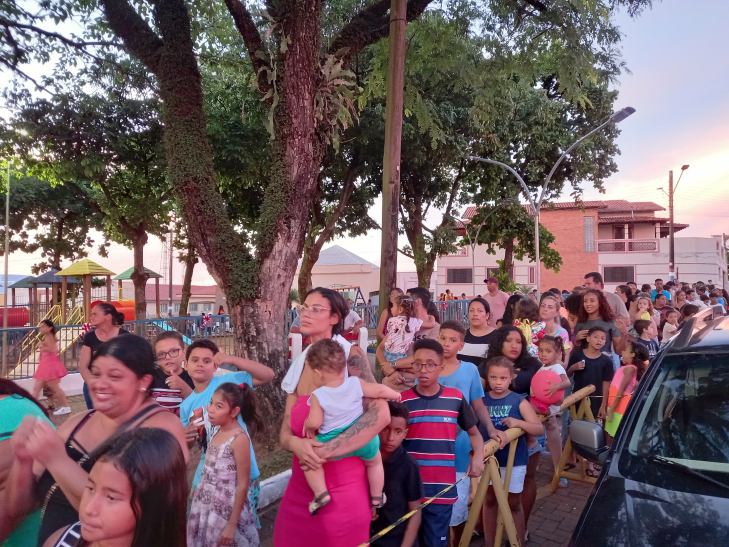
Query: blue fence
[23,356]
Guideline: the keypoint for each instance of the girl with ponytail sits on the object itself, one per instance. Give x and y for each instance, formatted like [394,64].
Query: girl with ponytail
[221,513]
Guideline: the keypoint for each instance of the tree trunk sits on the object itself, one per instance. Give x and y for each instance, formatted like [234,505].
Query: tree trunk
[509,255]
[139,276]
[425,272]
[190,261]
[311,255]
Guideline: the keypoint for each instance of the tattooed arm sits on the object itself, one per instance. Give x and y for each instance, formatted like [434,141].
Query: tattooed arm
[376,413]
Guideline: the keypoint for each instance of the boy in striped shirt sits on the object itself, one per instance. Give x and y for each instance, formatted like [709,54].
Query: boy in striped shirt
[436,415]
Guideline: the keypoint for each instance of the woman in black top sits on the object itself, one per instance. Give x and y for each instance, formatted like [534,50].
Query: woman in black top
[479,334]
[108,323]
[509,342]
[51,468]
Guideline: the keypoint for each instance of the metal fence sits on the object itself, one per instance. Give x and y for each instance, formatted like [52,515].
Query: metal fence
[24,356]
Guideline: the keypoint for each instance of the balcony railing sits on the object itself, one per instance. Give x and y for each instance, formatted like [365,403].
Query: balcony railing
[627,246]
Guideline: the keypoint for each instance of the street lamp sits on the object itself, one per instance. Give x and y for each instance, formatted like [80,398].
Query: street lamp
[506,203]
[616,117]
[671,191]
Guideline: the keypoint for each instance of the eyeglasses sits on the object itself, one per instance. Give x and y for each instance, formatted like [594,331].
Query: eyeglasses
[162,355]
[429,367]
[312,310]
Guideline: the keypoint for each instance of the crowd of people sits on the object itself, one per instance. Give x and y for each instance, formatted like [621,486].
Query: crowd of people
[365,453]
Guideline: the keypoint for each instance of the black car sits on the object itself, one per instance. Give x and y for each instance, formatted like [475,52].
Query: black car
[665,480]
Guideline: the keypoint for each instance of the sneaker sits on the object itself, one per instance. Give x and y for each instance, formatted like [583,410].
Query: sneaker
[62,410]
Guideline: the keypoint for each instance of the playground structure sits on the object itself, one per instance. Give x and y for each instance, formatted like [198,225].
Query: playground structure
[346,291]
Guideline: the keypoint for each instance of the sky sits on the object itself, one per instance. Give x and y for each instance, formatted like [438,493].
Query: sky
[678,84]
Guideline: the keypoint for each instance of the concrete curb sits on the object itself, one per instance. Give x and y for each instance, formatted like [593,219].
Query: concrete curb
[273,488]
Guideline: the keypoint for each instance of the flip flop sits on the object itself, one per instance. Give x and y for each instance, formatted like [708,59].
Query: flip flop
[318,503]
[592,473]
[570,467]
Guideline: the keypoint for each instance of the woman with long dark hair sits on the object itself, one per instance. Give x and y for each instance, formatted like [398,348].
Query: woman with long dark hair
[508,318]
[53,467]
[135,494]
[509,342]
[107,322]
[346,519]
[596,312]
[479,333]
[15,404]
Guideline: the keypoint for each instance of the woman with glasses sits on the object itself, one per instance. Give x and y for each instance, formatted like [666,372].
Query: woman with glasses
[509,342]
[346,519]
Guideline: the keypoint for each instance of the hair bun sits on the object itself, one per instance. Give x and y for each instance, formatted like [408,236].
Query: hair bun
[119,318]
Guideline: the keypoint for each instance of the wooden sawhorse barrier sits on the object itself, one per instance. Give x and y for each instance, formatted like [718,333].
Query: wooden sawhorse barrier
[491,474]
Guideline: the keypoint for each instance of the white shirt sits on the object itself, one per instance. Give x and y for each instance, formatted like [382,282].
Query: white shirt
[341,405]
[351,320]
[291,380]
[557,367]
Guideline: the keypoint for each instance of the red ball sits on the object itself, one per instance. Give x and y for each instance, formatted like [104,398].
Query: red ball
[541,381]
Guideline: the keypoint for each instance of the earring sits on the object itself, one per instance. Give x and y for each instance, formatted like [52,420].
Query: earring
[142,389]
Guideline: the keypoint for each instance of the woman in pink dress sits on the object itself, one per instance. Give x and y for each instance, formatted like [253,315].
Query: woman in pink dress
[50,369]
[345,521]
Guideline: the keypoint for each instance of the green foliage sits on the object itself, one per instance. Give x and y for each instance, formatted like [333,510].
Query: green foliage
[294,297]
[52,219]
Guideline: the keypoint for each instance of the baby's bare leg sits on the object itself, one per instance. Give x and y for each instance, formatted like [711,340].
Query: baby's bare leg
[316,481]
[375,476]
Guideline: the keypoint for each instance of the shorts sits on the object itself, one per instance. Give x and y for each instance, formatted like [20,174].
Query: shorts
[392,356]
[541,443]
[367,452]
[460,508]
[518,474]
[434,527]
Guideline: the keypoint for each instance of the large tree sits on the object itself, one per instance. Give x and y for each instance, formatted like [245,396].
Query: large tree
[52,220]
[106,150]
[299,52]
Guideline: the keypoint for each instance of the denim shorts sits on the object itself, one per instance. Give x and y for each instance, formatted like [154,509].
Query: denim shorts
[392,356]
[434,528]
[541,443]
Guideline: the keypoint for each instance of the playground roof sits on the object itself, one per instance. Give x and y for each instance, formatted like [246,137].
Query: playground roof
[25,283]
[85,267]
[50,277]
[128,274]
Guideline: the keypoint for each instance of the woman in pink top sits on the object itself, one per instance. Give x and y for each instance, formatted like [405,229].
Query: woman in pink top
[345,522]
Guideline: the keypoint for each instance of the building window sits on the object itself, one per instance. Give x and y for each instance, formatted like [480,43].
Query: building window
[192,306]
[459,275]
[588,225]
[618,274]
[207,306]
[163,308]
[493,272]
[532,275]
[177,308]
[619,232]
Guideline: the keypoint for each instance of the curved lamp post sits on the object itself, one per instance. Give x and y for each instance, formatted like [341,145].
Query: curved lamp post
[506,203]
[616,117]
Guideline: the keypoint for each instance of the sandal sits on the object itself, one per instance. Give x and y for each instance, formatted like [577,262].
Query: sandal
[378,501]
[592,473]
[570,467]
[318,503]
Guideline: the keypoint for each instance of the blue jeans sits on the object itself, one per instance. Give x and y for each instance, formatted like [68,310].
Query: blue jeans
[87,397]
[434,528]
[392,356]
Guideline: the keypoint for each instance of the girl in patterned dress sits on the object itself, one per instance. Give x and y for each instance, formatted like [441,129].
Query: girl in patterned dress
[401,328]
[221,513]
[526,317]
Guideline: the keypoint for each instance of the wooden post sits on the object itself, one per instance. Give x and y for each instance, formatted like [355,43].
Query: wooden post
[13,293]
[108,288]
[120,290]
[502,500]
[48,297]
[87,298]
[156,295]
[36,305]
[584,412]
[507,482]
[64,295]
[54,294]
[391,159]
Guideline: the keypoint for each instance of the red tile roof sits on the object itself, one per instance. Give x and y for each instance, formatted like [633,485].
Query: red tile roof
[610,205]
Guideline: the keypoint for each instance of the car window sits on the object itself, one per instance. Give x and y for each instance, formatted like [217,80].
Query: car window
[685,416]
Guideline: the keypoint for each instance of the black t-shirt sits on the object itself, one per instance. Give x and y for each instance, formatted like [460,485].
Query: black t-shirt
[475,348]
[596,372]
[92,341]
[171,399]
[403,484]
[524,374]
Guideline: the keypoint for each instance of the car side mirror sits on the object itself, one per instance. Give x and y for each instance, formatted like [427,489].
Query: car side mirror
[588,440]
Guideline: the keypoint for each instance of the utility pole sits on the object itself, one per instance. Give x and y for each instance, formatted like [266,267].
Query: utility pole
[5,286]
[671,272]
[172,236]
[391,160]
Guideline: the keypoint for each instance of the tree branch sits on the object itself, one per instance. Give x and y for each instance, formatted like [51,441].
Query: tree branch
[67,41]
[134,31]
[537,5]
[252,38]
[406,254]
[370,25]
